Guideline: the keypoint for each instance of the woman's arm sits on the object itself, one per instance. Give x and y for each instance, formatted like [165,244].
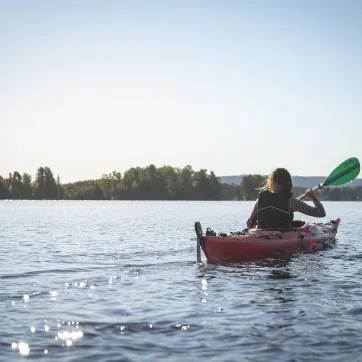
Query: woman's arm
[252,219]
[304,208]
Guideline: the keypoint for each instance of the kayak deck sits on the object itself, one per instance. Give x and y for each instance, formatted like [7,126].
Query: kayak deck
[254,244]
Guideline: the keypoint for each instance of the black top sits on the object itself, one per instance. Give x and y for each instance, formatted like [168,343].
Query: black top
[273,210]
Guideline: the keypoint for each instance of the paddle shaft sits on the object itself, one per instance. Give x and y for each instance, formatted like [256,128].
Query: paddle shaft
[320,186]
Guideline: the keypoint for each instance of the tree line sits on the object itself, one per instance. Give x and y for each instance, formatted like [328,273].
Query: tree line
[148,183]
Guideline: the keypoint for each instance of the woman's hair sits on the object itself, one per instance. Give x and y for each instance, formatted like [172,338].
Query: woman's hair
[279,180]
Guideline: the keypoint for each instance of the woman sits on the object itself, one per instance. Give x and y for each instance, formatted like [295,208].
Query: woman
[275,205]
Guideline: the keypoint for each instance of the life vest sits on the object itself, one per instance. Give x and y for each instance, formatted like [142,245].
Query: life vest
[273,210]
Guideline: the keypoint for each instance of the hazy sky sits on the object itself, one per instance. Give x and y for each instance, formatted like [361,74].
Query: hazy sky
[87,87]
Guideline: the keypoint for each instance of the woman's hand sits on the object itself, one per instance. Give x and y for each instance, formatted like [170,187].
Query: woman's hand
[310,193]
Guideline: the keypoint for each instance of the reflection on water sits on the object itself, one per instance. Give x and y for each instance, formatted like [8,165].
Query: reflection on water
[119,282]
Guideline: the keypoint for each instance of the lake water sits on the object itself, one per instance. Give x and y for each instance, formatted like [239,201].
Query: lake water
[118,281]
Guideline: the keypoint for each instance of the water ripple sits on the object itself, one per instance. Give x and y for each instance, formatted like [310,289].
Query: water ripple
[118,281]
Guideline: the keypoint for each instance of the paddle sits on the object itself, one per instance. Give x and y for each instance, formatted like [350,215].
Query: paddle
[347,171]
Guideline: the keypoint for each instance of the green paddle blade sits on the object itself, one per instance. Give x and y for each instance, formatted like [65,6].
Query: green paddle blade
[347,171]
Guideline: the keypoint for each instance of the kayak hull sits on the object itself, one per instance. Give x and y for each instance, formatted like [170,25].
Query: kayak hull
[256,244]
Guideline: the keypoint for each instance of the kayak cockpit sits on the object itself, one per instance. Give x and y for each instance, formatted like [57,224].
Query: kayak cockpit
[296,225]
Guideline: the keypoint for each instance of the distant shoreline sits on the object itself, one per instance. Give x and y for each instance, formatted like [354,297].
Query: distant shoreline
[298,181]
[164,183]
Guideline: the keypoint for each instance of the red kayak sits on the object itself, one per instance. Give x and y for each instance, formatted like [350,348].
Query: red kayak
[256,244]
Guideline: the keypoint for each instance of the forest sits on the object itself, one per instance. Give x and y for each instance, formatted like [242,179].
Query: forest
[148,183]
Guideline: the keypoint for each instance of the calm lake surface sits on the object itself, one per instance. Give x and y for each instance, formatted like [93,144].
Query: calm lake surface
[118,281]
